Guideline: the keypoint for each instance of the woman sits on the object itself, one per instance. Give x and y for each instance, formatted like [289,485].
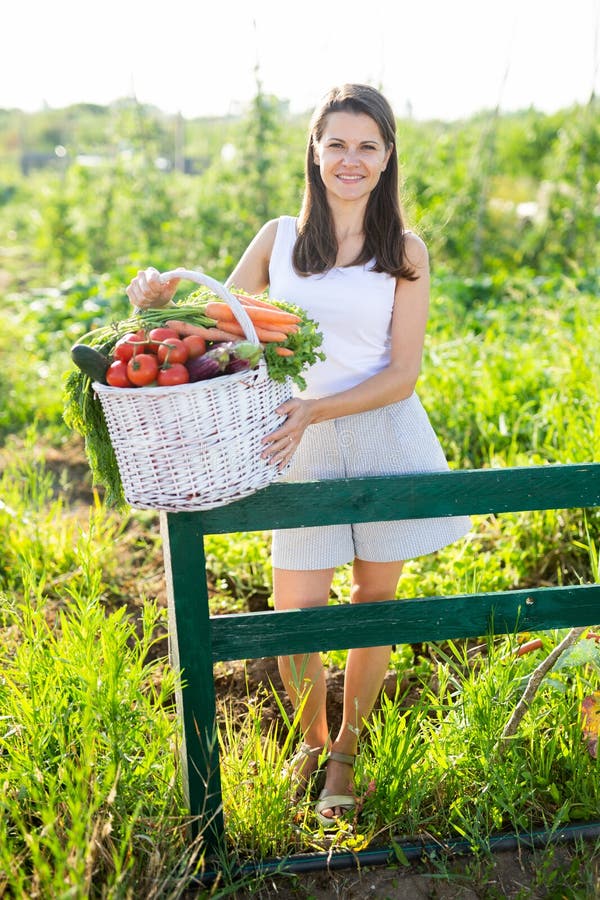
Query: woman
[348,261]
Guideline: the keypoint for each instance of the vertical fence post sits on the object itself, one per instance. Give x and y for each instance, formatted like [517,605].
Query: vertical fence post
[191,656]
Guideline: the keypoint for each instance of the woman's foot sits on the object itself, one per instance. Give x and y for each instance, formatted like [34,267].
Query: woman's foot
[337,797]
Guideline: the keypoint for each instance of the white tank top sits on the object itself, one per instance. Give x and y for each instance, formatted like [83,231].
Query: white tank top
[352,306]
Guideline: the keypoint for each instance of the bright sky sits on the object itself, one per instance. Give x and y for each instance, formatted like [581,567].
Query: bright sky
[441,58]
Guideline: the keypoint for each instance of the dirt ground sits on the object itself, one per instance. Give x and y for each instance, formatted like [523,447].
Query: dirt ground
[525,874]
[521,873]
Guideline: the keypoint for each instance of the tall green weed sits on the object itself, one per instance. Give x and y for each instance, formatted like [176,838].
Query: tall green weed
[91,799]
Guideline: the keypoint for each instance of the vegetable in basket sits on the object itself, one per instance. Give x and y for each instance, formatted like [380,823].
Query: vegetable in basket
[91,362]
[104,355]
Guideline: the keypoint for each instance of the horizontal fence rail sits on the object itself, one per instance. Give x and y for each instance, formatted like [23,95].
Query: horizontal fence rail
[402,622]
[375,499]
[199,639]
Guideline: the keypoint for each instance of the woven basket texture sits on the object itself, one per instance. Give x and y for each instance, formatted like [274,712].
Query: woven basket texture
[193,446]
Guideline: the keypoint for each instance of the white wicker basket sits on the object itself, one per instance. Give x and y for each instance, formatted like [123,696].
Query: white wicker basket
[195,446]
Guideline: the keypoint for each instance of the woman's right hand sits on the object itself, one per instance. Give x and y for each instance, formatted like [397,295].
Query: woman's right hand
[281,444]
[147,291]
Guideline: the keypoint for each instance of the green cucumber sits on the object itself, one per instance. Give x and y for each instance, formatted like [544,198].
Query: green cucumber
[90,361]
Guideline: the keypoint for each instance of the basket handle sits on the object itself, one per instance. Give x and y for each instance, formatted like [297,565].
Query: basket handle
[221,291]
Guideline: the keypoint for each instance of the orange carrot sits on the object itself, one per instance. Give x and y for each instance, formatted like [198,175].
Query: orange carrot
[261,316]
[271,315]
[184,329]
[263,334]
[267,335]
[286,328]
[284,351]
[268,312]
[247,300]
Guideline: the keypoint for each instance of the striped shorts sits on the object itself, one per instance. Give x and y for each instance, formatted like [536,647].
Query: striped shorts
[393,440]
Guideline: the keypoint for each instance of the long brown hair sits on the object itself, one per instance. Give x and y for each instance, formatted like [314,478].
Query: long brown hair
[316,248]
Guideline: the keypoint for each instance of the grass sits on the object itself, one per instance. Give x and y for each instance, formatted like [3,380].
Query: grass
[87,745]
[431,765]
[91,796]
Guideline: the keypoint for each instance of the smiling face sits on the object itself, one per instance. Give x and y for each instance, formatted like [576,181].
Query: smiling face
[351,155]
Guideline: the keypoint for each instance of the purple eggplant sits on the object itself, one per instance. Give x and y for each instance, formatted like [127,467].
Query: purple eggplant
[220,353]
[203,367]
[224,358]
[241,355]
[236,365]
[247,351]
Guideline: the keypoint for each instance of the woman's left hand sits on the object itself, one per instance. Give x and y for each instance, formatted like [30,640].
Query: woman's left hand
[281,444]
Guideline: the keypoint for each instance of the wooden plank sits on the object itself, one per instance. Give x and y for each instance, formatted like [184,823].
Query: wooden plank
[464,492]
[190,652]
[248,636]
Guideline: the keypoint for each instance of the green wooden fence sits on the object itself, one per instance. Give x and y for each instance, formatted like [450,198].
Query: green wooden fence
[198,640]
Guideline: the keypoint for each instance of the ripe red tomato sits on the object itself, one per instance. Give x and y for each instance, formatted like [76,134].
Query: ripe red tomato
[196,345]
[175,374]
[116,374]
[161,334]
[142,369]
[126,346]
[173,351]
[141,339]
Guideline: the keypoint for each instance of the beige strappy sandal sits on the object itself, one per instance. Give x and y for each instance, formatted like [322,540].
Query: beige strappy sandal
[329,801]
[300,782]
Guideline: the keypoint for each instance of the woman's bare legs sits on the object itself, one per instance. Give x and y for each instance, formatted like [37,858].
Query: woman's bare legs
[303,675]
[365,672]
